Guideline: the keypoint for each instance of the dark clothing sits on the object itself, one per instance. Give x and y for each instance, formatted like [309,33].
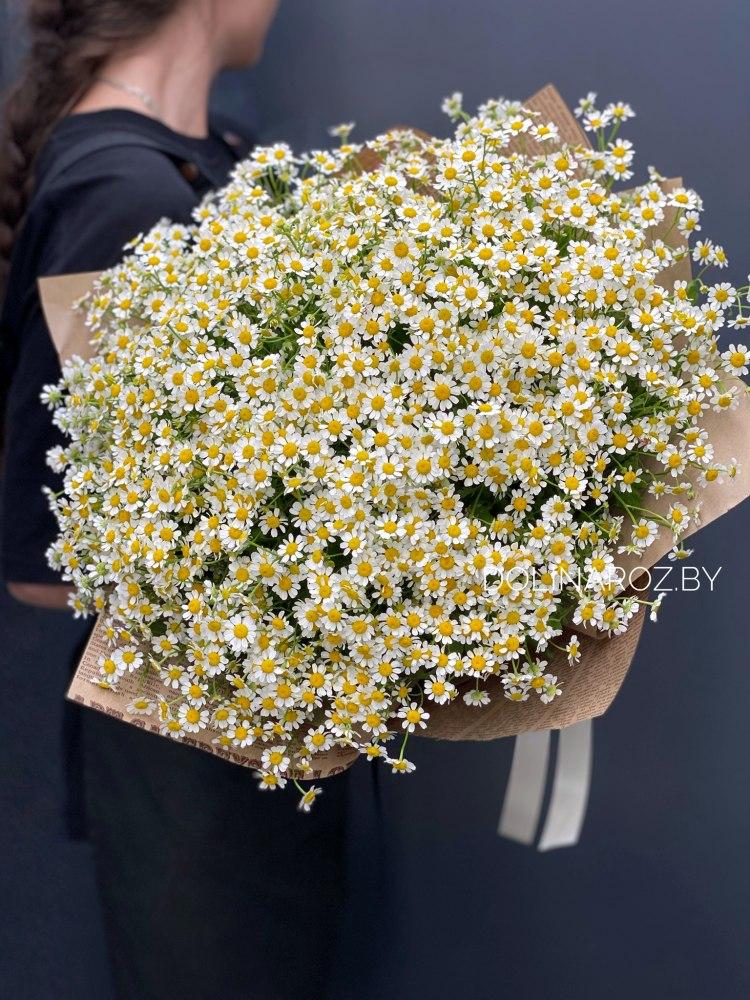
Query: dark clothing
[78,220]
[210,887]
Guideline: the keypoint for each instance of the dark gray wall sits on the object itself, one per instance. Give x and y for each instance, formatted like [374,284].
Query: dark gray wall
[9,39]
[681,63]
[653,904]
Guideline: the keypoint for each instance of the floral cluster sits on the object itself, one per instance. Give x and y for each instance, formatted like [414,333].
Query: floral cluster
[334,428]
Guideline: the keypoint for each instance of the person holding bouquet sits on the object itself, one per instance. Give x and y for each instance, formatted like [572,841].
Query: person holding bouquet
[206,890]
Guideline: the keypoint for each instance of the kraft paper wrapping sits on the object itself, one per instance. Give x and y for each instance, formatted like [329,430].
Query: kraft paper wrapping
[729,432]
[550,106]
[589,687]
[84,689]
[66,324]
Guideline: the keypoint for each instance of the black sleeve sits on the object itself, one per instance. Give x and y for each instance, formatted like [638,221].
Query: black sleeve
[82,227]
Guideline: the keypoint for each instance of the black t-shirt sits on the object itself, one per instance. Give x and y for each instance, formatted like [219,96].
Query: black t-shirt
[79,220]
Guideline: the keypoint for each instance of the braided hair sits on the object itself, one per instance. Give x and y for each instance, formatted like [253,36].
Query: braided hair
[69,41]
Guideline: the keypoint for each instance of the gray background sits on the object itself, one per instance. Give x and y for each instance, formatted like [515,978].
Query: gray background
[654,901]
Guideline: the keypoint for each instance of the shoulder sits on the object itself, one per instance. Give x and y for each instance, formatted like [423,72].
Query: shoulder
[89,211]
[119,179]
[117,159]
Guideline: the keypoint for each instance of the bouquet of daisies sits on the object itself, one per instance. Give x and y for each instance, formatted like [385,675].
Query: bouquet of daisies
[378,430]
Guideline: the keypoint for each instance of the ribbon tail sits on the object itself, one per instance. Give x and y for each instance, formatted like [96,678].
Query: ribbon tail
[524,794]
[570,788]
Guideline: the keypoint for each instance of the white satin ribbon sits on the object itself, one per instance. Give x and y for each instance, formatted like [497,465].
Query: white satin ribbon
[525,790]
[570,788]
[524,794]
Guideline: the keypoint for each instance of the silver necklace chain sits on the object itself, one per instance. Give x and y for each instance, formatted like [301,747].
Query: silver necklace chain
[135,91]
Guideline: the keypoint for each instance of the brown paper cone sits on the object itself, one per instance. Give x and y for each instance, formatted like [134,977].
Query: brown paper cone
[550,106]
[589,688]
[84,689]
[67,325]
[729,432]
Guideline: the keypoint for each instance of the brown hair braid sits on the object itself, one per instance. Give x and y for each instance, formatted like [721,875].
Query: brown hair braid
[69,40]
